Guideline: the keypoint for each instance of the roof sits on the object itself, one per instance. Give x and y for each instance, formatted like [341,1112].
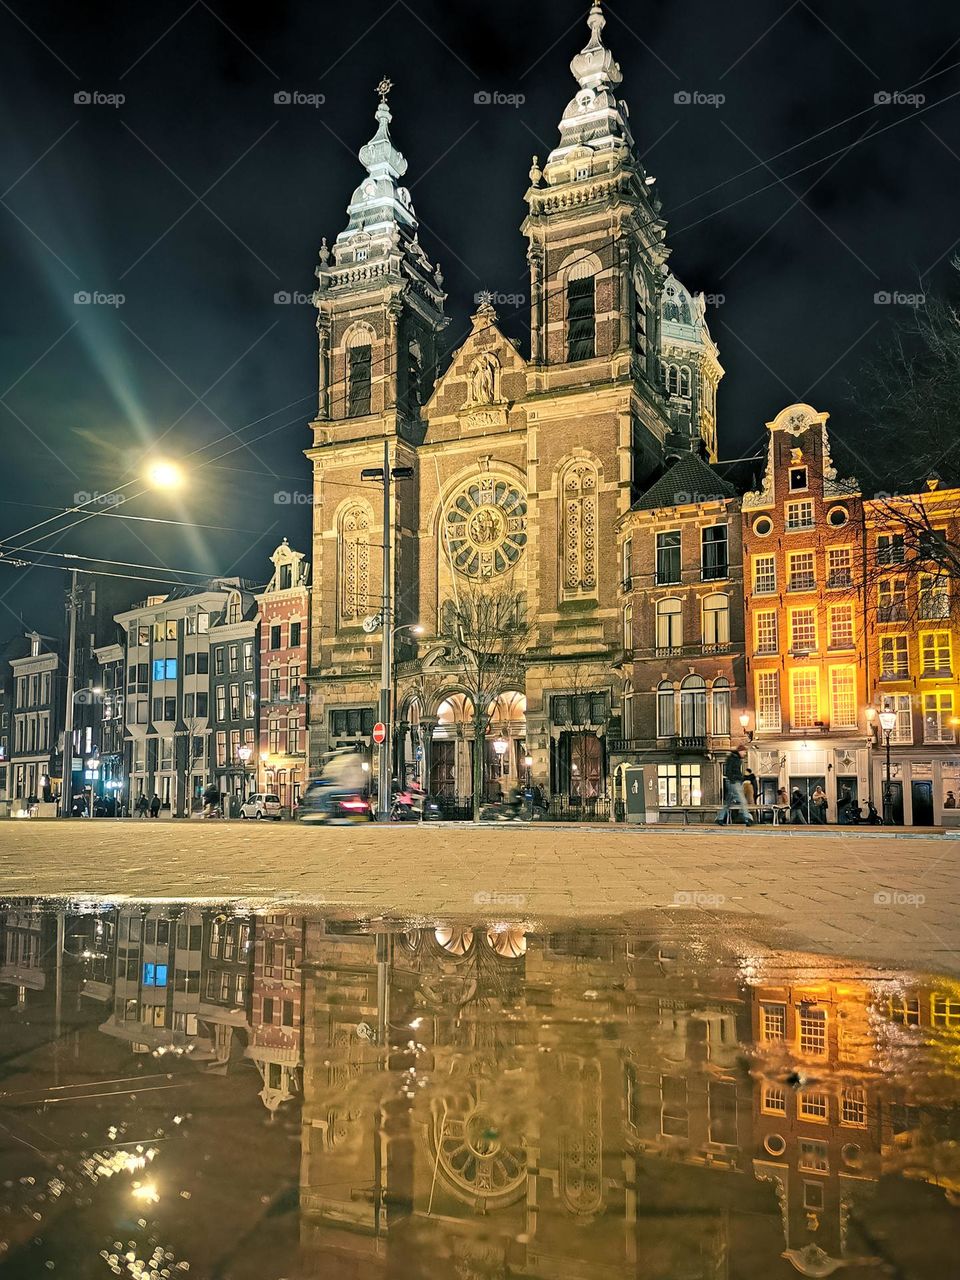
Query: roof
[689,480]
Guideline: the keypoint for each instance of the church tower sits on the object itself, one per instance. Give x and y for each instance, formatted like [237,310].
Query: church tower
[379,303]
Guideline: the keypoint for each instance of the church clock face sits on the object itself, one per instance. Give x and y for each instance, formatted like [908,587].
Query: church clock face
[485,527]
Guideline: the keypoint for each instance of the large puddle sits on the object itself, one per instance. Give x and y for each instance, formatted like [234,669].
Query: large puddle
[224,1094]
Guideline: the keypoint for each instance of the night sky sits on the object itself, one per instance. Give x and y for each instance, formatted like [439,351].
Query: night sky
[199,198]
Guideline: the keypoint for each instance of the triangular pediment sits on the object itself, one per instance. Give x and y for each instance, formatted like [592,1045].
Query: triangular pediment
[485,376]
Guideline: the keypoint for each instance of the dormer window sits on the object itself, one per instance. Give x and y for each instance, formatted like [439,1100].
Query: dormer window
[582,173]
[286,576]
[361,255]
[34,646]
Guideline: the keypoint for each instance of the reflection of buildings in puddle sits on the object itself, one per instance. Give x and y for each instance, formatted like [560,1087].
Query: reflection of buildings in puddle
[483,1098]
[594,1102]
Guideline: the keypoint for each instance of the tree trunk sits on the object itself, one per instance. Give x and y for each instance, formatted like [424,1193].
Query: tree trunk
[480,724]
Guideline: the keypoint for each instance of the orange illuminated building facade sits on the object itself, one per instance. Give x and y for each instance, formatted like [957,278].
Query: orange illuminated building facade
[913,649]
[805,651]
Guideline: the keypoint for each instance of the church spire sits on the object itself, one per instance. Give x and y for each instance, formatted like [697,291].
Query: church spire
[379,209]
[595,120]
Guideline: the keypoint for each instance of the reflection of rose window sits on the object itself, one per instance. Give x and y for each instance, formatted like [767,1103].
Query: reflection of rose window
[485,527]
[475,1154]
[457,941]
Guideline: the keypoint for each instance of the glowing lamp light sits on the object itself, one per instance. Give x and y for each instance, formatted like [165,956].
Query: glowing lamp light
[888,721]
[744,719]
[528,761]
[501,746]
[164,474]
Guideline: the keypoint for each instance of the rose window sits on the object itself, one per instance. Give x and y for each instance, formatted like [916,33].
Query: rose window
[485,527]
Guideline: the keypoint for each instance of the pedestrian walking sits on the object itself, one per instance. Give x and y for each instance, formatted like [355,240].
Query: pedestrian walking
[845,805]
[820,802]
[733,787]
[155,806]
[750,787]
[797,801]
[142,805]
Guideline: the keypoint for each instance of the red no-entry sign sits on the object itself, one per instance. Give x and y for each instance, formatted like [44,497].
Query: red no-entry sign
[379,732]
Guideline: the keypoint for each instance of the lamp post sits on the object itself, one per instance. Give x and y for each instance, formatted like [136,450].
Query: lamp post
[244,753]
[384,475]
[888,722]
[745,725]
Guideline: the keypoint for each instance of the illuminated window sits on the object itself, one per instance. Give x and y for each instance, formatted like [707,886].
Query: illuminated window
[679,784]
[773,1100]
[720,696]
[945,1010]
[803,630]
[937,715]
[716,620]
[853,1107]
[841,626]
[799,515]
[805,698]
[765,623]
[905,1010]
[669,624]
[801,572]
[768,700]
[935,653]
[839,567]
[894,657]
[773,1021]
[812,1105]
[892,600]
[843,697]
[902,704]
[764,575]
[934,595]
[813,1032]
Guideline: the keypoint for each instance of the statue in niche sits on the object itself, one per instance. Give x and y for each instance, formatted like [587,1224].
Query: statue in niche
[482,381]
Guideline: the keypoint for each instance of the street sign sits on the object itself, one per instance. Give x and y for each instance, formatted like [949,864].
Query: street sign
[379,732]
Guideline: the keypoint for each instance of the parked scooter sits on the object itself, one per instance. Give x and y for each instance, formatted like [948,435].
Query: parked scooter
[408,805]
[870,818]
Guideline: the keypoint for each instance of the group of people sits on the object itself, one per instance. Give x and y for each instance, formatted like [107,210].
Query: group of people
[741,792]
[145,806]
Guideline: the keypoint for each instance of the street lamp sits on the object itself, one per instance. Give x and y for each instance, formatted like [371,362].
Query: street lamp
[164,474]
[888,722]
[244,753]
[528,765]
[745,725]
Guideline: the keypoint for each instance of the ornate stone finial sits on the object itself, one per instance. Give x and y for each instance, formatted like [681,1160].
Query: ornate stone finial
[536,173]
[324,251]
[384,87]
[594,66]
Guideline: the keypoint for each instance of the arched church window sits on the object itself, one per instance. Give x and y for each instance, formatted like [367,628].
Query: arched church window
[578,494]
[684,381]
[354,563]
[673,379]
[581,311]
[670,309]
[359,372]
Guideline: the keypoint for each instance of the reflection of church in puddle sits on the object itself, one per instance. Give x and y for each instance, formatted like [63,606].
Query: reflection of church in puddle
[582,1104]
[617,1103]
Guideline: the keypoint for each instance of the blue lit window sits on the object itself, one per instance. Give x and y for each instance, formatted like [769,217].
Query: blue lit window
[164,668]
[154,975]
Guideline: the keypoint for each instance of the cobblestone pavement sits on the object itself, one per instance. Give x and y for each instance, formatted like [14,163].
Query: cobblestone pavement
[891,897]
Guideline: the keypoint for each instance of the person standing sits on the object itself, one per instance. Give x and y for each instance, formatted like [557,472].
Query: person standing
[142,805]
[733,786]
[155,806]
[750,787]
[820,803]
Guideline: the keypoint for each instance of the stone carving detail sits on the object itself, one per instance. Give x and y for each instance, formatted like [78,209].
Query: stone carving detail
[579,499]
[581,1146]
[483,378]
[485,527]
[354,565]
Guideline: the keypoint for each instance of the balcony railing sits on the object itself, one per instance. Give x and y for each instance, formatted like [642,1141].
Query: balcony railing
[686,650]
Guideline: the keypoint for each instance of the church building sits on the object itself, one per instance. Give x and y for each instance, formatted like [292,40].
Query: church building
[518,464]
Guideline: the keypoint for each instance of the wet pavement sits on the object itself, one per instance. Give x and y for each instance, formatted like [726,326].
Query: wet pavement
[222,1093]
